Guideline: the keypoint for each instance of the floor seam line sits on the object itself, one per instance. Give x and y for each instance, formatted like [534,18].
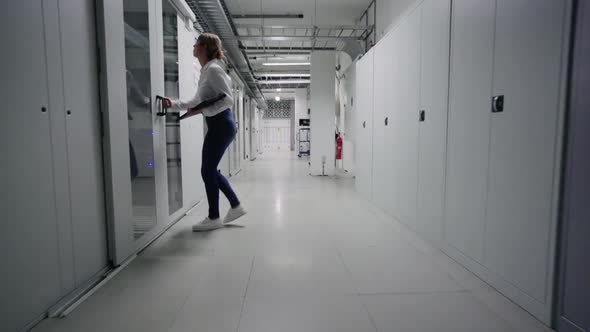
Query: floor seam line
[186,298]
[245,294]
[462,291]
[371,318]
[349,271]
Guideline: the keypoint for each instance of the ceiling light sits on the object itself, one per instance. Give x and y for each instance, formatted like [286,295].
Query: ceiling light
[277,98]
[282,74]
[285,82]
[286,64]
[279,89]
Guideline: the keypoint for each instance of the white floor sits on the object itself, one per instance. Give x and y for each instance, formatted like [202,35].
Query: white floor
[311,255]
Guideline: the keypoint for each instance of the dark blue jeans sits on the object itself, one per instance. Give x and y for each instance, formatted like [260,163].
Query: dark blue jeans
[221,131]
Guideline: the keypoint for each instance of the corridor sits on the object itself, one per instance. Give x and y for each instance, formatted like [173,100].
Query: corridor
[311,255]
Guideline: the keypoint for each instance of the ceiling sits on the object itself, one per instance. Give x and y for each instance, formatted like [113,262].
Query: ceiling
[329,12]
[326,25]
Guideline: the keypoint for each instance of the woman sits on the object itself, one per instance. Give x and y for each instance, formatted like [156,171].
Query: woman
[221,128]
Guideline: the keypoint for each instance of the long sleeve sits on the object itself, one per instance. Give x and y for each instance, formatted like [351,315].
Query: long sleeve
[213,82]
[217,83]
[179,105]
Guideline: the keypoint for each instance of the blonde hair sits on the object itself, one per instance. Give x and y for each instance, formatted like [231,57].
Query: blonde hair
[214,47]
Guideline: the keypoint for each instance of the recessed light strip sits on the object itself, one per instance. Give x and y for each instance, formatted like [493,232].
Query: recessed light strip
[286,64]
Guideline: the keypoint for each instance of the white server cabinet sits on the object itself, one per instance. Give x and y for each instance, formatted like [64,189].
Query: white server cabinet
[364,108]
[432,116]
[53,235]
[504,143]
[469,124]
[406,121]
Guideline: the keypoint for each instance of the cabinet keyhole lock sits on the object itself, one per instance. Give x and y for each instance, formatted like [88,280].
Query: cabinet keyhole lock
[498,104]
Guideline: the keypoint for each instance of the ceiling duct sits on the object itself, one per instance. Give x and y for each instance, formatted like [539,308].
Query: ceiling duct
[354,48]
[213,16]
[303,39]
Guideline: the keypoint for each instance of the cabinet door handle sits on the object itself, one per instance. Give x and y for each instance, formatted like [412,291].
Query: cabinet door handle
[386,121]
[498,104]
[364,124]
[422,117]
[162,111]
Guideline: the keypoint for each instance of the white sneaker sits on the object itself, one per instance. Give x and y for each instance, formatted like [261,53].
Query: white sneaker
[234,213]
[208,225]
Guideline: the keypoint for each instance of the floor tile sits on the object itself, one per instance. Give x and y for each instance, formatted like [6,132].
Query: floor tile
[443,312]
[200,314]
[289,275]
[309,314]
[404,270]
[296,262]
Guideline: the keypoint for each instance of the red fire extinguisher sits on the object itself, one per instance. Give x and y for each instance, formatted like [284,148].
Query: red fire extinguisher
[338,147]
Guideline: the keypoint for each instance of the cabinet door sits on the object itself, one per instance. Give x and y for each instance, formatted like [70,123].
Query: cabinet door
[434,84]
[469,124]
[408,84]
[527,71]
[29,243]
[380,170]
[391,95]
[364,149]
[83,118]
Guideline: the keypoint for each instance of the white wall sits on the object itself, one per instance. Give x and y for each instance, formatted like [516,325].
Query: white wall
[322,117]
[389,12]
[348,106]
[258,131]
[301,106]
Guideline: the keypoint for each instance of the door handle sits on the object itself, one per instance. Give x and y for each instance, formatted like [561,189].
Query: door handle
[386,121]
[498,104]
[162,111]
[422,115]
[364,124]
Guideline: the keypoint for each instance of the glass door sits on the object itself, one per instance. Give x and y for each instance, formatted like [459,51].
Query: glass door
[139,117]
[171,89]
[135,136]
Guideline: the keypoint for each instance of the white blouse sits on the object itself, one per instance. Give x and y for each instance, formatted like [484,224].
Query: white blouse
[213,81]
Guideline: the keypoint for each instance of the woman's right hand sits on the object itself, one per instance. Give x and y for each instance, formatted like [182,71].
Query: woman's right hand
[166,102]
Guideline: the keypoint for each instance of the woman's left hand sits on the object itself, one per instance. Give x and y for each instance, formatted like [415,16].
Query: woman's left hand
[190,112]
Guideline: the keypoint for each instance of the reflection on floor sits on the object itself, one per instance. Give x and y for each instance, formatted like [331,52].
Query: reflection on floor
[310,256]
